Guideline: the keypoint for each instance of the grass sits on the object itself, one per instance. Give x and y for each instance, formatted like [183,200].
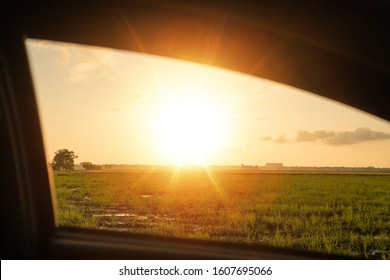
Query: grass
[346,214]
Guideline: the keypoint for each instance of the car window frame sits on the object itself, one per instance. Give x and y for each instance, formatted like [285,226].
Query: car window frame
[33,233]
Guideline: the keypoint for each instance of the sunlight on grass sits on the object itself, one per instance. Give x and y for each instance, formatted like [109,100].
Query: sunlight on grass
[339,214]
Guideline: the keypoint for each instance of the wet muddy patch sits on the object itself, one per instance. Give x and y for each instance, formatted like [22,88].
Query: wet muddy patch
[123,219]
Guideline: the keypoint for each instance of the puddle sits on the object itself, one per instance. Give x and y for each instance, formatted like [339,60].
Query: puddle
[122,218]
[149,196]
[136,216]
[115,215]
[122,215]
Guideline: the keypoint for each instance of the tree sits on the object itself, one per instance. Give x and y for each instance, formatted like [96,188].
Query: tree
[87,165]
[90,166]
[63,160]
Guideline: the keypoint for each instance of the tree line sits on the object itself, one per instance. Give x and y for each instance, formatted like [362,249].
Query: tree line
[64,160]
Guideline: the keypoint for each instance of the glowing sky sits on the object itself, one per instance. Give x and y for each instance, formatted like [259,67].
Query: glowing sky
[113,106]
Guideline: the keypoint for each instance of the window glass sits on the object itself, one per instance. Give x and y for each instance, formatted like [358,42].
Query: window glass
[145,144]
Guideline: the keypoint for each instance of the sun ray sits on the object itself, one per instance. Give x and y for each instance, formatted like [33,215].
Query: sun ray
[174,178]
[214,182]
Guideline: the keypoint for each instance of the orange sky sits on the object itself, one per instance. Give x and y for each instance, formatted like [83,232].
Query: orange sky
[124,107]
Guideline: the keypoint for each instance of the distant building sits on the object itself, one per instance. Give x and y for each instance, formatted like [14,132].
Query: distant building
[273,166]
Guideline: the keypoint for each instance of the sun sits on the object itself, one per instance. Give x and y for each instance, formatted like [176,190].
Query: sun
[190,130]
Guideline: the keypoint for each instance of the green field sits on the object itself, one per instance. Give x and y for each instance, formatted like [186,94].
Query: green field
[347,214]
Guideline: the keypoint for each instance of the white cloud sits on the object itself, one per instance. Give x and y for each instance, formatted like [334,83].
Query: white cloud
[342,137]
[279,140]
